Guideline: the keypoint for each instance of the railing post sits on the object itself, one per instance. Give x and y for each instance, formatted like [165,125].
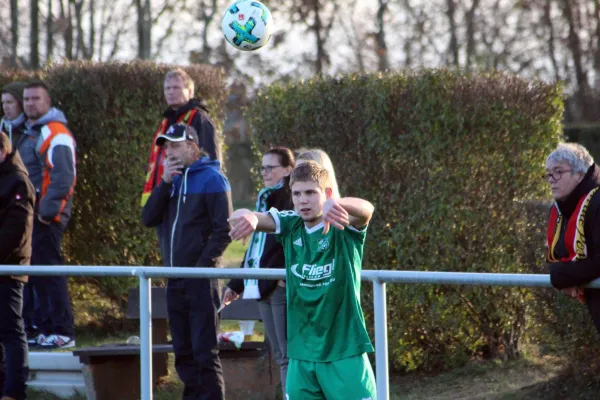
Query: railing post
[146,337]
[381,346]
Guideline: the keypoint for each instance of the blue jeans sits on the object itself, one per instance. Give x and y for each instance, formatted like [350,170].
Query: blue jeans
[192,307]
[14,369]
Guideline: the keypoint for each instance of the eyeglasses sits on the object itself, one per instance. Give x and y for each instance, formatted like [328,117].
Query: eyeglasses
[556,175]
[268,168]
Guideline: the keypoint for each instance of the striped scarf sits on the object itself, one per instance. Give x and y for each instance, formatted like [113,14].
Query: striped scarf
[257,245]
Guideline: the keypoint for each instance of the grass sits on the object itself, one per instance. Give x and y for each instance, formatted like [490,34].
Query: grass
[234,254]
[494,380]
[528,378]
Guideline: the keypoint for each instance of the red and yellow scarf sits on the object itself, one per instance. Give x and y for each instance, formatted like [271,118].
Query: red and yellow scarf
[157,154]
[574,237]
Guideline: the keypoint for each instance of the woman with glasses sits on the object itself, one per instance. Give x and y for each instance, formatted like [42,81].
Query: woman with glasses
[264,251]
[573,255]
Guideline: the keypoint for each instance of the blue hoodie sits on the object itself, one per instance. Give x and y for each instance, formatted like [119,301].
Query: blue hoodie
[192,213]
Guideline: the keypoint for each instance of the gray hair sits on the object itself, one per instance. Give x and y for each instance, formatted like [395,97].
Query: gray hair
[574,154]
[321,158]
[188,82]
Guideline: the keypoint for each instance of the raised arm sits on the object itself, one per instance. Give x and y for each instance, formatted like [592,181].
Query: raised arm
[360,211]
[244,222]
[346,211]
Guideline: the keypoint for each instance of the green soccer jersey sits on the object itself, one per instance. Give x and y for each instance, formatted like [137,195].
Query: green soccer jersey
[324,317]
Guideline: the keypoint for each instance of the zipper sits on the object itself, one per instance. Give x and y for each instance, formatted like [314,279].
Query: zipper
[175,222]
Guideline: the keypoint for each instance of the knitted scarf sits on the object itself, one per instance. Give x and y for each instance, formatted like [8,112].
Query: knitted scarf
[257,245]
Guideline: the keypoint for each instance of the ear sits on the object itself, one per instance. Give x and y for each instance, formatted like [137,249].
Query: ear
[328,193]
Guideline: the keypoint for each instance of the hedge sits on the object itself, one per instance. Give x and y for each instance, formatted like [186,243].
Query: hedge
[113,110]
[450,161]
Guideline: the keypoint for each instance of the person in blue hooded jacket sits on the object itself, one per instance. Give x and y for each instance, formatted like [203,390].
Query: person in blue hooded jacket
[192,204]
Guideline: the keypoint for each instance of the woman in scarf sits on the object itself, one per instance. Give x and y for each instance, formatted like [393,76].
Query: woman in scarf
[264,251]
[574,224]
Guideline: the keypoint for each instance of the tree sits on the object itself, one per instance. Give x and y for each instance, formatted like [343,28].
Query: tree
[144,28]
[34,41]
[49,32]
[206,14]
[318,16]
[382,50]
[14,27]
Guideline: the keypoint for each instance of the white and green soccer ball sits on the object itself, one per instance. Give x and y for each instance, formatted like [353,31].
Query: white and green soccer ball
[247,25]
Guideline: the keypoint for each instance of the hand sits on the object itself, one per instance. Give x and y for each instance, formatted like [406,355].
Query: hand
[334,214]
[229,296]
[572,292]
[43,221]
[243,224]
[172,167]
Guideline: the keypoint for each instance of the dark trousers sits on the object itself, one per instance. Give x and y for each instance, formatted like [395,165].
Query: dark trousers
[14,369]
[49,293]
[192,305]
[32,316]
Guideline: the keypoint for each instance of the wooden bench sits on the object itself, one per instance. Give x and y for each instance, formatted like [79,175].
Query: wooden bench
[249,372]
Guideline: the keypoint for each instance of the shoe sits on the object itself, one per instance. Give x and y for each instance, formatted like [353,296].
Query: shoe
[36,341]
[33,341]
[57,342]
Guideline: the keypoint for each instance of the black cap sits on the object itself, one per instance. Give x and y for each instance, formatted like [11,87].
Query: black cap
[178,133]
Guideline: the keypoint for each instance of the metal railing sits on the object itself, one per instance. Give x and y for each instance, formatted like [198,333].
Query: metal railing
[377,277]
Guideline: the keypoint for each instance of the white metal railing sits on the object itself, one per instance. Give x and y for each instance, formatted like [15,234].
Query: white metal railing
[377,277]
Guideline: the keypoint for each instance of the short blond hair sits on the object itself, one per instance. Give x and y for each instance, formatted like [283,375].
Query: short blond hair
[188,82]
[311,171]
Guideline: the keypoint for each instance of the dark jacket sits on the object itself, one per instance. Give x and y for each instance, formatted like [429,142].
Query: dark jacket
[17,198]
[193,213]
[272,256]
[578,273]
[48,151]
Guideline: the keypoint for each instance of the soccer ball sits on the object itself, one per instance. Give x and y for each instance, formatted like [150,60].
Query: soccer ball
[247,25]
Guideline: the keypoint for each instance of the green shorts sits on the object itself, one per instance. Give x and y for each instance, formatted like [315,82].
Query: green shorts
[347,379]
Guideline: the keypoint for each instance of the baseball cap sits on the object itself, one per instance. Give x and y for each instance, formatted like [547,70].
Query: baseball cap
[178,133]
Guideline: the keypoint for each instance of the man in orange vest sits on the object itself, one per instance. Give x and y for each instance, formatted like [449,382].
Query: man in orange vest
[183,108]
[49,153]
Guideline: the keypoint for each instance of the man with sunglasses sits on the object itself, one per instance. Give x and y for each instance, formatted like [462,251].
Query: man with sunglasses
[573,255]
[192,204]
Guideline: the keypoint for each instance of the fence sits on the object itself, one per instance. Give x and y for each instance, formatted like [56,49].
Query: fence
[379,278]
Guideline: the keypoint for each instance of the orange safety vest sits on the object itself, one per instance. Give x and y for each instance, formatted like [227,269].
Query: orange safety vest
[157,155]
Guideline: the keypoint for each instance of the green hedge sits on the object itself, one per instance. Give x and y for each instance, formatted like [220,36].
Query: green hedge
[449,160]
[113,110]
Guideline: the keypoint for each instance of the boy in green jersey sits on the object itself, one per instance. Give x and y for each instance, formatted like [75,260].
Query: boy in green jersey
[327,338]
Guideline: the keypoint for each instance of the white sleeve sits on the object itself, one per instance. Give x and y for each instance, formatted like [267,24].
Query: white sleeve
[275,215]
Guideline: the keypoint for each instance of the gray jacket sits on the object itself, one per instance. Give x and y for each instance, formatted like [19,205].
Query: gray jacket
[48,151]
